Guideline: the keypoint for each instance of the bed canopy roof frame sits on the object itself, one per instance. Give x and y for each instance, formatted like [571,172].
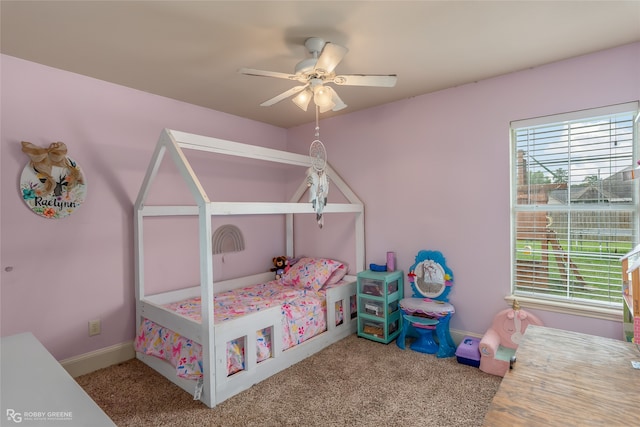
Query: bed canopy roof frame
[175,142]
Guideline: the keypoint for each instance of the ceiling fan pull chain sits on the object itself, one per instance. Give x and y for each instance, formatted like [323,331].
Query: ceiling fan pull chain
[317,123]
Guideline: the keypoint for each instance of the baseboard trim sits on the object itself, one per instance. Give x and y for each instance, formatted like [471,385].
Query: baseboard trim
[459,335]
[118,353]
[98,359]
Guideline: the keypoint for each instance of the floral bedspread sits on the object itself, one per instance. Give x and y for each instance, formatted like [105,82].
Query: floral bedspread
[304,316]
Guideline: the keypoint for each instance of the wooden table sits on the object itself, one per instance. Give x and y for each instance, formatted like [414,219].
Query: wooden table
[37,391]
[564,378]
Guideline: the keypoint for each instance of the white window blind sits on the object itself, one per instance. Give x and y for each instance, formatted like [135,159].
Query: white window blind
[574,210]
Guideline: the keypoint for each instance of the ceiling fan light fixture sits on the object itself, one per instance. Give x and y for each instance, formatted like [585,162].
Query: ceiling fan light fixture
[326,108]
[339,106]
[337,103]
[303,98]
[322,96]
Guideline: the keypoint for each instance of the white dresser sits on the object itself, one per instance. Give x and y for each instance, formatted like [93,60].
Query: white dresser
[37,391]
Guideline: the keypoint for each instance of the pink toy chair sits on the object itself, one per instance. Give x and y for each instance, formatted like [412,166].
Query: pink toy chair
[501,340]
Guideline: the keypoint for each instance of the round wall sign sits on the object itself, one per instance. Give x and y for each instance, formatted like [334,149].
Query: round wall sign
[56,193]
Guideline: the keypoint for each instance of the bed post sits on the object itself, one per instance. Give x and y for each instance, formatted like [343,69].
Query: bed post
[138,219]
[360,256]
[206,289]
[289,235]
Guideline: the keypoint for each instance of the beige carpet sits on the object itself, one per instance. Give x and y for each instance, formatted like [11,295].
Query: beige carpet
[355,382]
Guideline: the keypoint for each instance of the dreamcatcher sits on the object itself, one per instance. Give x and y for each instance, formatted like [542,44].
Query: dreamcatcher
[316,177]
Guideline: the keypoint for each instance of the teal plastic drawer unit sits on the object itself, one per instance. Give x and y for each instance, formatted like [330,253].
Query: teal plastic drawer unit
[379,312]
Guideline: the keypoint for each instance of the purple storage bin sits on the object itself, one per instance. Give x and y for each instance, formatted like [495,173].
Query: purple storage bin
[468,353]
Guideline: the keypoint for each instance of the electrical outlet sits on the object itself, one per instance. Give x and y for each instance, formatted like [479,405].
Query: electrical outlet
[94,327]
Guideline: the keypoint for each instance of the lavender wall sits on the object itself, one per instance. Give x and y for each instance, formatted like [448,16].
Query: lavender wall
[66,272]
[433,172]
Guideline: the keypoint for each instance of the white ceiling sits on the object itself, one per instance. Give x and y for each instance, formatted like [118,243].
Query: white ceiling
[191,50]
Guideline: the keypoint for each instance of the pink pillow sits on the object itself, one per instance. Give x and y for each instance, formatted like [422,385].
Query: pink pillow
[310,273]
[338,274]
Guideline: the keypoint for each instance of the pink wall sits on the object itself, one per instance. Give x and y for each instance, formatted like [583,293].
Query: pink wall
[433,171]
[66,272]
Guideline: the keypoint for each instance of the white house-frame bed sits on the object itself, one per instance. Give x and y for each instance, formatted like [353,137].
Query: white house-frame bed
[216,385]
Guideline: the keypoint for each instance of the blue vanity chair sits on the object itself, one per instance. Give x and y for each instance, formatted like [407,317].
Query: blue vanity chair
[427,314]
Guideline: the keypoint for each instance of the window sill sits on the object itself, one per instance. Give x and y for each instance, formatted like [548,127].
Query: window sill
[567,308]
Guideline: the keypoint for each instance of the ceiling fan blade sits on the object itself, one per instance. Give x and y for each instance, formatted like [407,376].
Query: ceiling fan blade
[283,95]
[330,57]
[262,73]
[366,80]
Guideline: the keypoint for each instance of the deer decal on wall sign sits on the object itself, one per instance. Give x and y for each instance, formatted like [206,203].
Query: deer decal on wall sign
[52,184]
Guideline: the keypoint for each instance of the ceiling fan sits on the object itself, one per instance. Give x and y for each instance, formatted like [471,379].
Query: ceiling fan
[314,73]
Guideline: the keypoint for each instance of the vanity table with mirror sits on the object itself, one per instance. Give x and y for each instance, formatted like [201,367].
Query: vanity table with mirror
[427,313]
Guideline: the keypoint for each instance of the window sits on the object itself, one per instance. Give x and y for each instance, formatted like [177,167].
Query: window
[574,207]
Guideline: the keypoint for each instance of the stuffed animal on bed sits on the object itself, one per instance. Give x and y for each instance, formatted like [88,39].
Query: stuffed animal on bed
[280,266]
